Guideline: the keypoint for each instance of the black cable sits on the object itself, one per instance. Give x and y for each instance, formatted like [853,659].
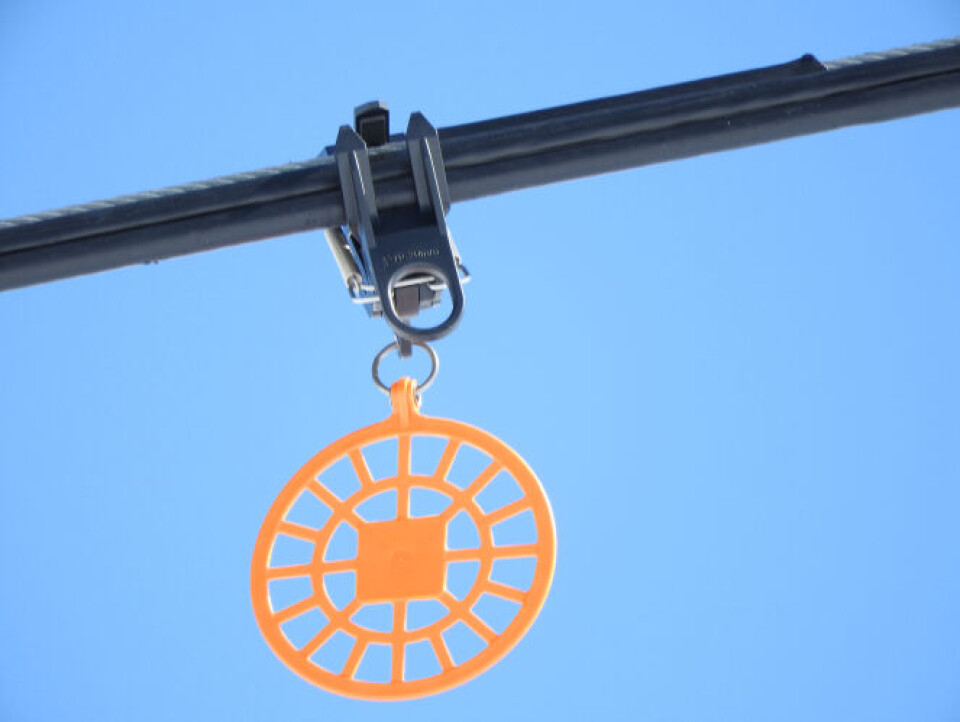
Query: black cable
[490,157]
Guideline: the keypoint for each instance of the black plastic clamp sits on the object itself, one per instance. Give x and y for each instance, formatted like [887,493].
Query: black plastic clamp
[405,255]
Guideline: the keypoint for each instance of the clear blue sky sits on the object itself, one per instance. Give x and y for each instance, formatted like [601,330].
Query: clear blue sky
[736,375]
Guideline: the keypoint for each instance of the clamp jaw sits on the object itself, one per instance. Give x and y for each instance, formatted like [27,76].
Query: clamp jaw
[398,261]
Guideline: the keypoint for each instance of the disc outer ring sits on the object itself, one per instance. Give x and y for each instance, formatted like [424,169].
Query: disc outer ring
[405,422]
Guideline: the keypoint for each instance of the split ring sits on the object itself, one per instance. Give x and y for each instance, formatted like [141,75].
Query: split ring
[421,387]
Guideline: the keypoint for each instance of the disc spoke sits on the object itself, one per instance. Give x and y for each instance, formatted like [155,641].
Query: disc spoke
[304,570]
[451,511]
[298,531]
[449,601]
[515,550]
[443,654]
[353,661]
[463,555]
[483,478]
[338,565]
[360,467]
[336,506]
[295,610]
[399,621]
[324,495]
[482,629]
[403,501]
[506,592]
[446,460]
[495,517]
[333,625]
[403,455]
[288,572]
[322,636]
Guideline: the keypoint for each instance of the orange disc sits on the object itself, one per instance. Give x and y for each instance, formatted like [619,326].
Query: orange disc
[397,628]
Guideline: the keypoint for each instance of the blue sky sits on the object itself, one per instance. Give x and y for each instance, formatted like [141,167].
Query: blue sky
[735,375]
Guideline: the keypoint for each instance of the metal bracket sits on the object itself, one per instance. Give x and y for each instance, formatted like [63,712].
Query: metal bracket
[405,256]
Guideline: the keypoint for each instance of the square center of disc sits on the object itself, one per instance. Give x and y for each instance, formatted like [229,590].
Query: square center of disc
[400,559]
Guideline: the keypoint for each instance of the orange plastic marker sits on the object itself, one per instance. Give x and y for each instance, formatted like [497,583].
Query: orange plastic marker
[404,559]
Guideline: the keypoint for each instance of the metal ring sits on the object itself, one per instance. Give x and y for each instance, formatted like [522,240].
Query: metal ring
[421,387]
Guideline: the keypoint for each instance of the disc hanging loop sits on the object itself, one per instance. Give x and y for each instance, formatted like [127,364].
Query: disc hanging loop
[422,386]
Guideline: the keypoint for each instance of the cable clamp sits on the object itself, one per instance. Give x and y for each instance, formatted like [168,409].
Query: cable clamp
[397,262]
